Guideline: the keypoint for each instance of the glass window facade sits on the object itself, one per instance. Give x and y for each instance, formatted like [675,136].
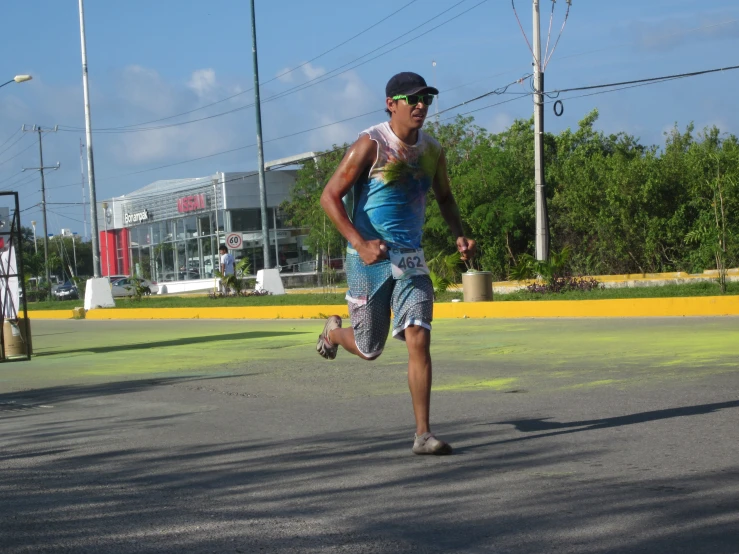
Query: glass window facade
[172,231]
[175,250]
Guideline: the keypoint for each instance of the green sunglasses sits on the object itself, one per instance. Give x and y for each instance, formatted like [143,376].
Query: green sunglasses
[414,99]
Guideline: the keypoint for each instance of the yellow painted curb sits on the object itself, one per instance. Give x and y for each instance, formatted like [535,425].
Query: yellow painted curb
[631,307]
[50,314]
[241,312]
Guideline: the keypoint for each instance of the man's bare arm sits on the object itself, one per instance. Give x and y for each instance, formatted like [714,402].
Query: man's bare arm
[357,161]
[450,210]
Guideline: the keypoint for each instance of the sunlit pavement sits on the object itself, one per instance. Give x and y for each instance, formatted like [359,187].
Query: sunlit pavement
[232,436]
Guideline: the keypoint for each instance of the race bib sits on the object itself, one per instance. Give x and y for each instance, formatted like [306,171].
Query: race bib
[407,263]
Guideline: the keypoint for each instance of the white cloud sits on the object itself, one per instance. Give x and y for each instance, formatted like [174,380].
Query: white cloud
[284,75]
[202,81]
[312,72]
[672,32]
[500,122]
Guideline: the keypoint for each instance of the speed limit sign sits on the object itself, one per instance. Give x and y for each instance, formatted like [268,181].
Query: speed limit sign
[234,241]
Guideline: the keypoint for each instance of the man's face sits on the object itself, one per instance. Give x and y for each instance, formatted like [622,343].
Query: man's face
[408,115]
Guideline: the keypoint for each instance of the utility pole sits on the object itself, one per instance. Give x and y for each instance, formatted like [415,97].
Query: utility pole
[542,217]
[82,182]
[260,150]
[94,235]
[41,168]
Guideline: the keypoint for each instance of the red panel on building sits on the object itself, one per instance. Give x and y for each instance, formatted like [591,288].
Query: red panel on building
[123,243]
[191,203]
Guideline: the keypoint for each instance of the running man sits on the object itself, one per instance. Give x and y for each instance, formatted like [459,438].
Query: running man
[377,201]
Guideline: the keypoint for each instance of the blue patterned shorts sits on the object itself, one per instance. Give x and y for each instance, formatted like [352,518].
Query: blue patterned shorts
[373,294]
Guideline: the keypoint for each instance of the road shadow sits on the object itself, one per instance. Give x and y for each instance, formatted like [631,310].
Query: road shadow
[30,399]
[189,341]
[536,425]
[354,491]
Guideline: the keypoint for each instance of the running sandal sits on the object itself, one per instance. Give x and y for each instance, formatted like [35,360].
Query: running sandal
[429,444]
[324,346]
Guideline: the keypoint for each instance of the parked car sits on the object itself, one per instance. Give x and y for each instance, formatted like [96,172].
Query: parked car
[67,291]
[179,276]
[127,286]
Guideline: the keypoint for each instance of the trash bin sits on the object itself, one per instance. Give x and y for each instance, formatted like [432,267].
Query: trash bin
[16,342]
[477,286]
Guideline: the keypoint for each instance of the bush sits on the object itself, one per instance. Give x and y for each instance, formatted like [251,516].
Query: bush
[565,284]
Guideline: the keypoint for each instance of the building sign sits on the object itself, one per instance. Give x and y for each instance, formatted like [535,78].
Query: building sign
[133,219]
[191,203]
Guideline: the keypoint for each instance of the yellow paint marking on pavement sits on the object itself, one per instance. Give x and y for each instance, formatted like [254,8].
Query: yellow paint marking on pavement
[628,307]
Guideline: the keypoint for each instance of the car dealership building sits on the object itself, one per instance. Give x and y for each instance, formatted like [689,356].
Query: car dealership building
[169,231]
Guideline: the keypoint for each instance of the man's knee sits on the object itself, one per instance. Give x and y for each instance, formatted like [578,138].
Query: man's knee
[417,336]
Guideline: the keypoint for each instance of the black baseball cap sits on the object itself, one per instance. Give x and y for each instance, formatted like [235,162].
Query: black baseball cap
[407,83]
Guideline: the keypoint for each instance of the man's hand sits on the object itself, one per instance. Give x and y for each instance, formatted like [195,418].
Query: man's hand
[372,251]
[467,248]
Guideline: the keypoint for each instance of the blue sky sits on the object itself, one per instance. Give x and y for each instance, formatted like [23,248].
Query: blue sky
[149,60]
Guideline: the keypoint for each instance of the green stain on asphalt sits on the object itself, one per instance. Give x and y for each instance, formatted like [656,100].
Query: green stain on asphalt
[472,384]
[538,356]
[599,383]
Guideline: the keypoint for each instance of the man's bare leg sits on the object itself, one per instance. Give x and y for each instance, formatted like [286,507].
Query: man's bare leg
[344,337]
[418,341]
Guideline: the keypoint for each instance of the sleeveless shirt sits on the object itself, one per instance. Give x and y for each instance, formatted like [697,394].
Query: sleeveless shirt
[390,202]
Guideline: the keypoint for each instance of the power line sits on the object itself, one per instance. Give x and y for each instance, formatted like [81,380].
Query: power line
[245,146]
[310,83]
[109,129]
[326,77]
[647,80]
[547,54]
[11,177]
[14,143]
[19,153]
[498,91]
[10,137]
[341,44]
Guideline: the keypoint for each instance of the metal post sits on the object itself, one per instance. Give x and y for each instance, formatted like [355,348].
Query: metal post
[43,209]
[542,219]
[107,245]
[260,150]
[74,253]
[41,168]
[35,244]
[277,250]
[94,237]
[82,182]
[216,262]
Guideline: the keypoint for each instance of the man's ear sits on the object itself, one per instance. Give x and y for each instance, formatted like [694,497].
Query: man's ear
[390,104]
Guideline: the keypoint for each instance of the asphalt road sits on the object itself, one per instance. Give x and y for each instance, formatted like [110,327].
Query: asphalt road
[572,436]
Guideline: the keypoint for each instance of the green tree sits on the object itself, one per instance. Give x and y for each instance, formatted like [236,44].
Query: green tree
[304,207]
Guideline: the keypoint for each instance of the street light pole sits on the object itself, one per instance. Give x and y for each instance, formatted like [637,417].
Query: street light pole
[94,235]
[18,79]
[260,150]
